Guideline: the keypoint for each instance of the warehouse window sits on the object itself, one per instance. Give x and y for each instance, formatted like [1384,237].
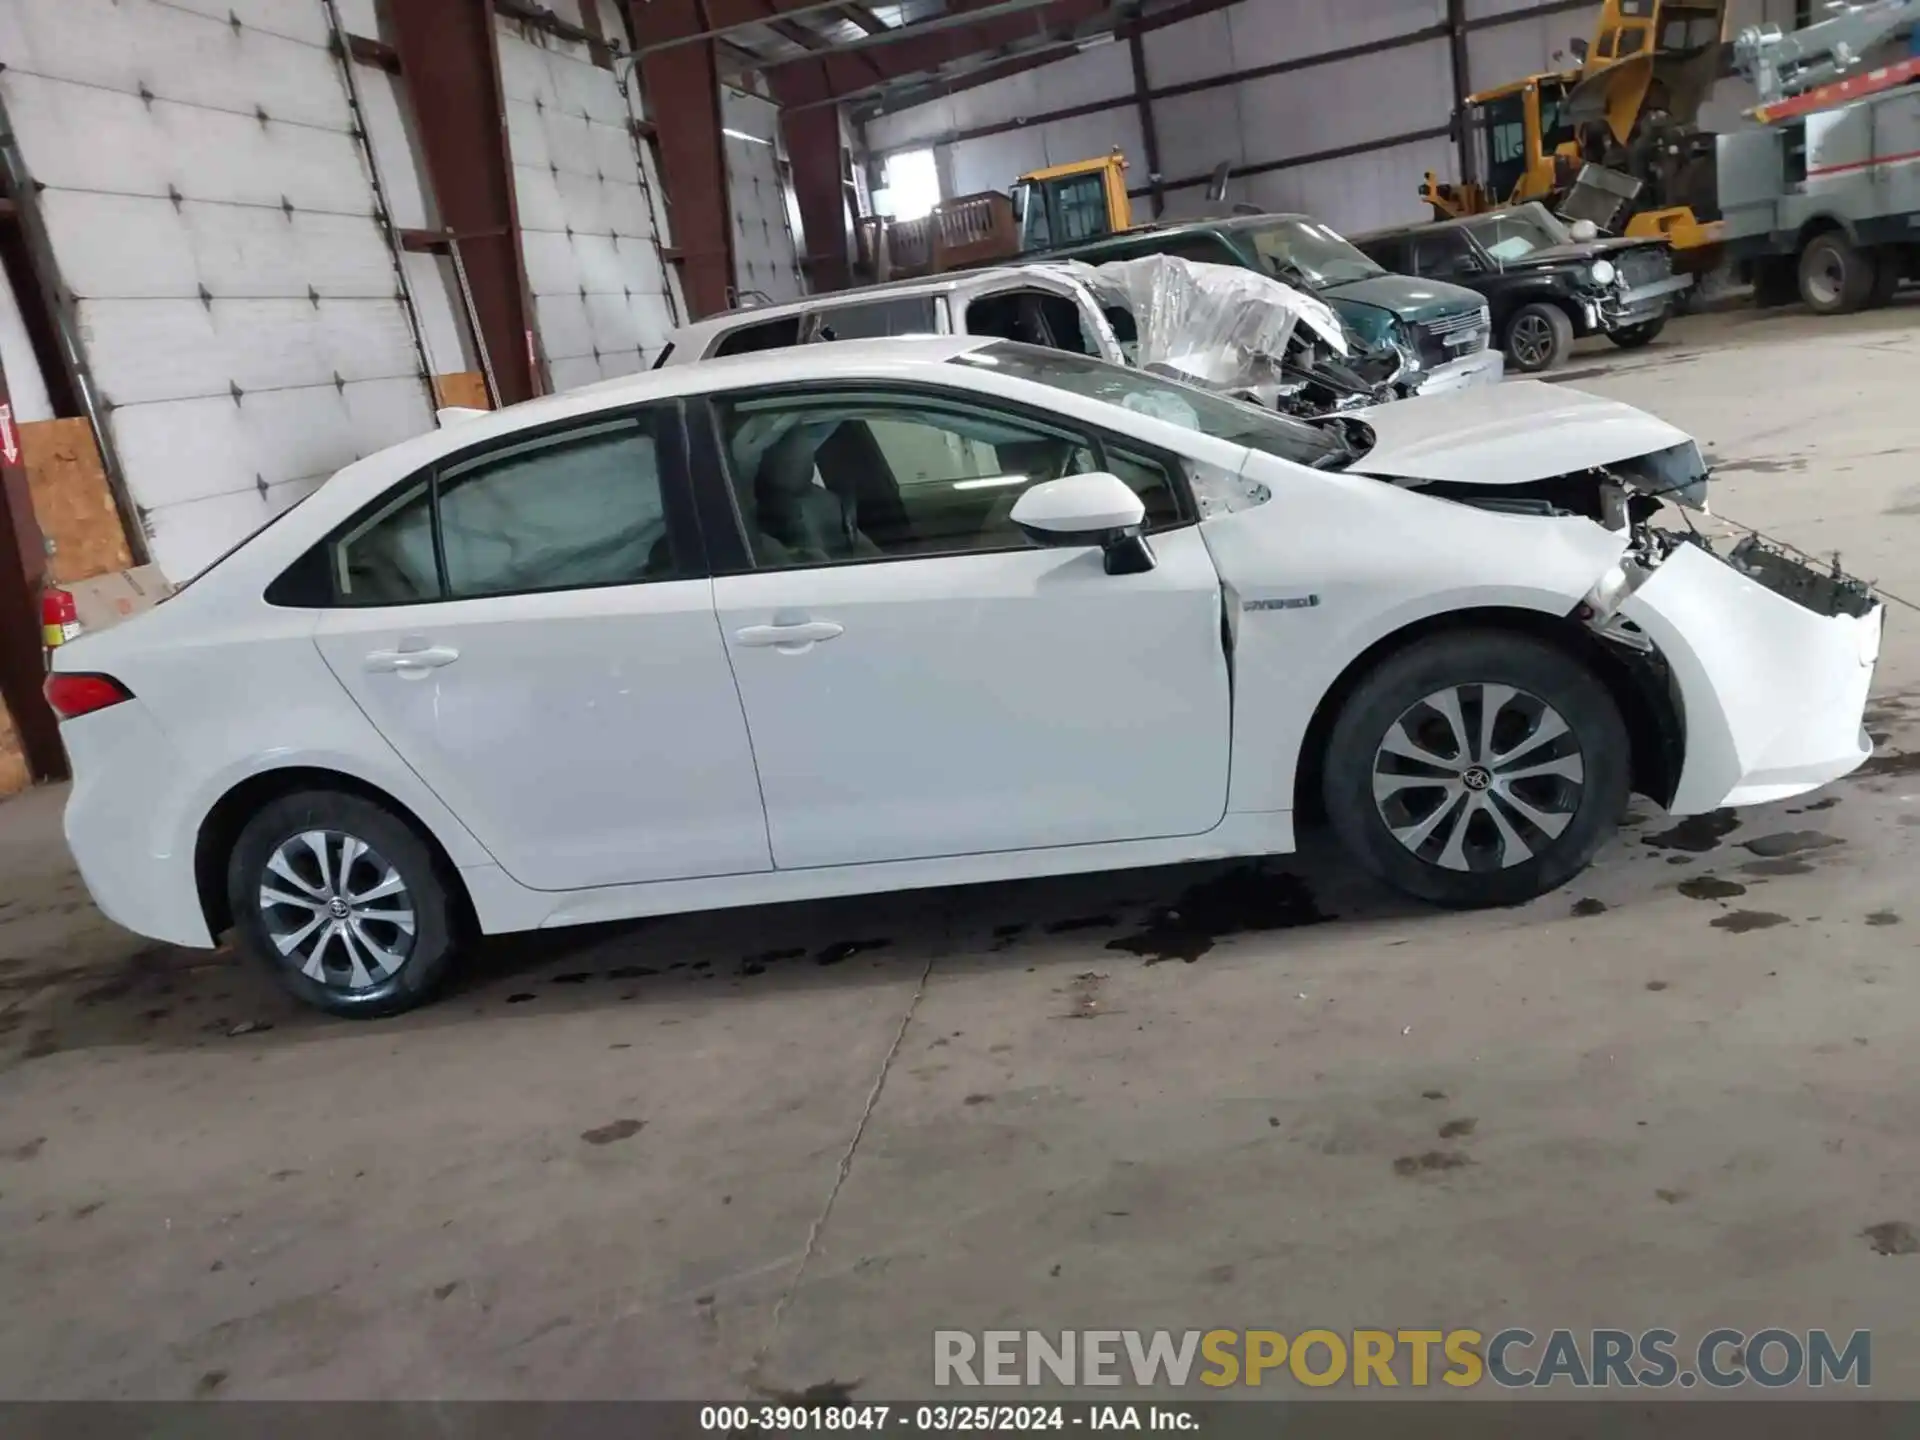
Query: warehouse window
[913,184]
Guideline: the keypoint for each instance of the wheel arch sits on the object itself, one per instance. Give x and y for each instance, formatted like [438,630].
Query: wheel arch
[1648,701]
[220,830]
[1814,226]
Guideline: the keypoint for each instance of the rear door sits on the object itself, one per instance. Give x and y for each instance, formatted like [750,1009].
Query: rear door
[531,628]
[919,680]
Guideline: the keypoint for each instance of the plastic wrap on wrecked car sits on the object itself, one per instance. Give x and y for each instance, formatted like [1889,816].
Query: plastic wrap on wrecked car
[1219,324]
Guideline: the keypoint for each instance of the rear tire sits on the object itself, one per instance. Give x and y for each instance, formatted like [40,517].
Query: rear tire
[345,902]
[1633,337]
[1538,337]
[1887,266]
[1468,829]
[1836,278]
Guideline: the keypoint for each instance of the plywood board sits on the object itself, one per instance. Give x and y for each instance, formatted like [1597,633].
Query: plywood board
[14,775]
[71,500]
[463,389]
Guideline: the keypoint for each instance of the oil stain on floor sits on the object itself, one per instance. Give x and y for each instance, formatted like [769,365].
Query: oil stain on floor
[1696,834]
[1242,901]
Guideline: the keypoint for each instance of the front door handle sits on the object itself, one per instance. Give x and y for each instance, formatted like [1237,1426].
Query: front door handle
[789,639]
[411,662]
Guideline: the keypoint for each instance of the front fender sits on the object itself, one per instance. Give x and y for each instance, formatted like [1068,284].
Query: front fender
[1333,564]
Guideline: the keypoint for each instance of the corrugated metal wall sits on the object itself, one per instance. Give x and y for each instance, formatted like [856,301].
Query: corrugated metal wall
[589,204]
[1390,106]
[213,215]
[766,263]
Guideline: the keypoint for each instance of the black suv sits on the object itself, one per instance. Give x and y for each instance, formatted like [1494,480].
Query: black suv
[1544,285]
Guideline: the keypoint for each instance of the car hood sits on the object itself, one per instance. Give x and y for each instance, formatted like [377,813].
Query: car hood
[1527,430]
[1405,296]
[1577,251]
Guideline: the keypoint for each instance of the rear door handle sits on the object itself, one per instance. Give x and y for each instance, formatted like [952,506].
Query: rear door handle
[791,639]
[411,662]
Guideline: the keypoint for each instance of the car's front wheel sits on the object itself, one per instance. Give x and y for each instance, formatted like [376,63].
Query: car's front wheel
[344,901]
[1538,337]
[1478,768]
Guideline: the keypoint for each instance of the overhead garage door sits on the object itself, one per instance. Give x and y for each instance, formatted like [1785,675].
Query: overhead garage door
[602,296]
[766,264]
[211,211]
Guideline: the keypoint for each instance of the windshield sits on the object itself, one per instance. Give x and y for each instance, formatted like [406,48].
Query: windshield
[1183,405]
[1513,234]
[1303,252]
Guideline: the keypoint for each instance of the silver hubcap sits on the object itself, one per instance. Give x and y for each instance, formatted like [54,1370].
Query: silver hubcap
[1478,777]
[335,907]
[1826,279]
[1532,340]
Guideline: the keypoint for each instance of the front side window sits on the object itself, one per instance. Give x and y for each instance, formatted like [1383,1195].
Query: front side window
[571,511]
[1309,254]
[870,475]
[1190,408]
[1502,125]
[1442,255]
[1080,202]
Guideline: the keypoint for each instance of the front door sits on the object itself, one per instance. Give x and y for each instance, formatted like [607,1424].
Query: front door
[555,677]
[919,680]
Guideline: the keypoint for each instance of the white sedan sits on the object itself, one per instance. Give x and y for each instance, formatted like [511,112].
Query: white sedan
[877,615]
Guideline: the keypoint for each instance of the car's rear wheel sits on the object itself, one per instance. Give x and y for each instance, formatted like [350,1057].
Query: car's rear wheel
[1836,277]
[1479,768]
[1538,337]
[1632,337]
[344,901]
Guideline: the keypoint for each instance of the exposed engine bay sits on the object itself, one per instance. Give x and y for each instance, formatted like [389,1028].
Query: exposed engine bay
[1528,448]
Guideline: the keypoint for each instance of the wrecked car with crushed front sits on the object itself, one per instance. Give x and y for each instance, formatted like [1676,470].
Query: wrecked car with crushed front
[1135,621]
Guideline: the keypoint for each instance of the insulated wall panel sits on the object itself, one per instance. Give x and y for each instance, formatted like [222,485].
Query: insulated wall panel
[1384,104]
[212,213]
[766,263]
[590,230]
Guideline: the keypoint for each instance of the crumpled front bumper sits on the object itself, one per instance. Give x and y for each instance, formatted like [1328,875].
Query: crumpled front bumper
[1626,308]
[1773,694]
[1487,367]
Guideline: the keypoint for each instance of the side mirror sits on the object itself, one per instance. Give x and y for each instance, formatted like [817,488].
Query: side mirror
[1098,509]
[1578,46]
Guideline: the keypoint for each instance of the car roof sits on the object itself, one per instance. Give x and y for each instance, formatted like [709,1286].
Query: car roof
[853,358]
[886,290]
[1459,222]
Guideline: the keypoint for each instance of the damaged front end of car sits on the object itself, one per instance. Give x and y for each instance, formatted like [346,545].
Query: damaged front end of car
[1241,333]
[1763,657]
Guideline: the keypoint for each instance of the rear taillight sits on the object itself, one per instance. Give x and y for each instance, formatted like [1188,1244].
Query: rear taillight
[59,618]
[76,693]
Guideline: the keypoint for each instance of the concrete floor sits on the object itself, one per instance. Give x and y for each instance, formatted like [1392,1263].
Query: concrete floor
[780,1147]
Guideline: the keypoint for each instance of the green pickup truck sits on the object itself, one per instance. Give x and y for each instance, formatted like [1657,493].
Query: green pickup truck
[1443,330]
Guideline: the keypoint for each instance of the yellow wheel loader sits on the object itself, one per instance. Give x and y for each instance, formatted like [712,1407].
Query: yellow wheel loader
[1629,109]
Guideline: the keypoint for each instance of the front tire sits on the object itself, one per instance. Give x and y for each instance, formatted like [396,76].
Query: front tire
[1635,337]
[1538,337]
[1836,278]
[1477,769]
[346,904]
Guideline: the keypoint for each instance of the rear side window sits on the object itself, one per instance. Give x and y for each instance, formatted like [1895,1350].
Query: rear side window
[875,320]
[768,335]
[576,510]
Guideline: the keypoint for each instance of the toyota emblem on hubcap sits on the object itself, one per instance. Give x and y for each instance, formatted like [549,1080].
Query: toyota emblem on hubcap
[337,908]
[1477,777]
